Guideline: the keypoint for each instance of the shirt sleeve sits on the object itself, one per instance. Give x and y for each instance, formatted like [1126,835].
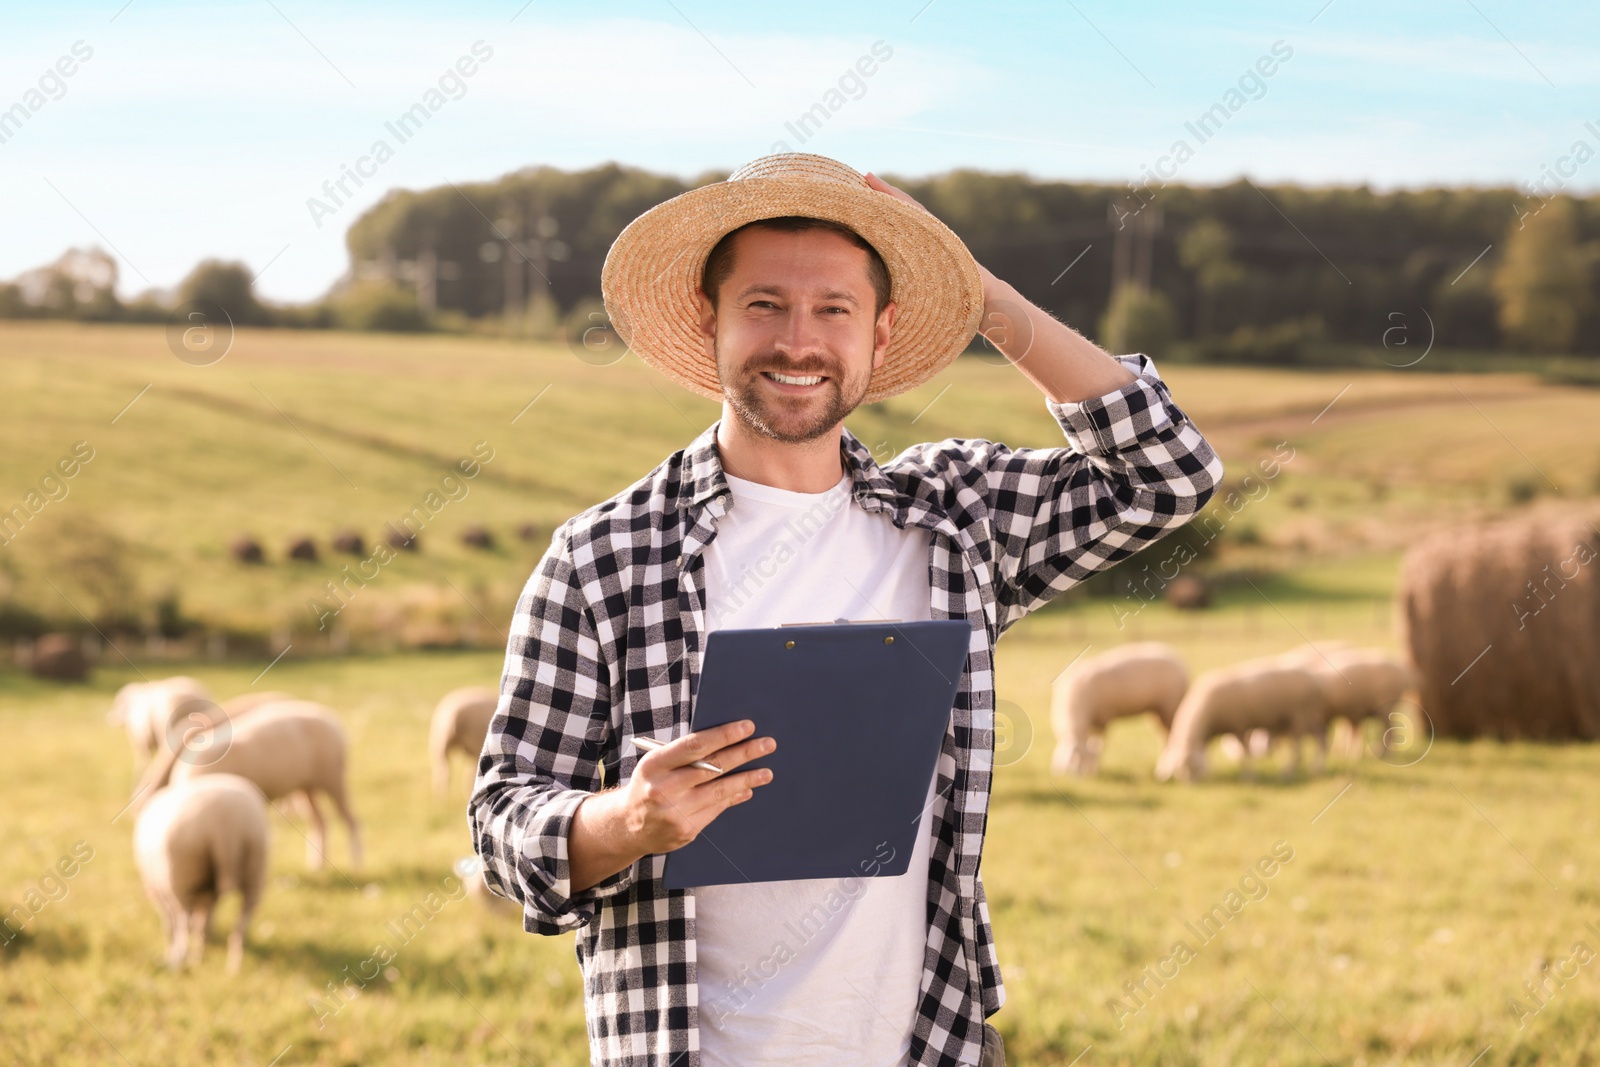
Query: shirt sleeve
[541,757]
[1134,469]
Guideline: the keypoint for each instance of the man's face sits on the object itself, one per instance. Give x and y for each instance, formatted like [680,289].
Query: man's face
[799,305]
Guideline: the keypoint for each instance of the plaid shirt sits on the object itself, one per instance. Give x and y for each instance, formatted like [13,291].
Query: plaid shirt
[606,644]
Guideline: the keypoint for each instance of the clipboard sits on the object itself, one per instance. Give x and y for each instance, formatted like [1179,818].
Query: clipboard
[859,711]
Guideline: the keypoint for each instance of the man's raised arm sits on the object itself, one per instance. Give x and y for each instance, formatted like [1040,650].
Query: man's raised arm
[1134,469]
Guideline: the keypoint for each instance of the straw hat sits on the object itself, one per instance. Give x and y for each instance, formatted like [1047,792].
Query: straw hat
[652,272]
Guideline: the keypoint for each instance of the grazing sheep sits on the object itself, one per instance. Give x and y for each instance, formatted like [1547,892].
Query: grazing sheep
[1360,684]
[244,703]
[291,747]
[1147,676]
[1278,694]
[1258,745]
[460,723]
[1502,621]
[149,711]
[193,842]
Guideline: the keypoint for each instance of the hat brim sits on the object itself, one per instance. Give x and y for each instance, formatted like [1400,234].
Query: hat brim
[652,275]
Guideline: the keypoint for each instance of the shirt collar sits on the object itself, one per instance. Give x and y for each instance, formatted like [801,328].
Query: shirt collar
[704,475]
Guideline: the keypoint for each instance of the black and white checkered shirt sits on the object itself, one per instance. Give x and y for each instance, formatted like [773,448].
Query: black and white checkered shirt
[606,644]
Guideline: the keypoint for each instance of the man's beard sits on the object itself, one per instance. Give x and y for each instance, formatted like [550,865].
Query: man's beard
[769,413]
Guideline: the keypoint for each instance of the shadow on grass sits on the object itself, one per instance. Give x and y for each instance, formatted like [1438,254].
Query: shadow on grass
[364,969]
[1063,793]
[55,944]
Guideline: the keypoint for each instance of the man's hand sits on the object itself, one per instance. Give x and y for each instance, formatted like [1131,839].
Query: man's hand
[1065,365]
[991,284]
[665,803]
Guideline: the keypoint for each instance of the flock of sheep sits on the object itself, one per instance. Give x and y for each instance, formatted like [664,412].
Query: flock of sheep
[208,772]
[1288,697]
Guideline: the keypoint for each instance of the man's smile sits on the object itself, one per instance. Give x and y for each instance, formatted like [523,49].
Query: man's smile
[799,384]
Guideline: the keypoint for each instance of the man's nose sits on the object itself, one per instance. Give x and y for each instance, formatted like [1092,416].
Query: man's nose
[799,335]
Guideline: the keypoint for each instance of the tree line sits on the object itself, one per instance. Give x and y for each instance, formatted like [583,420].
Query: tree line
[1230,272]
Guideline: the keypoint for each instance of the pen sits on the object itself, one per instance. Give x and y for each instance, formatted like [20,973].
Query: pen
[650,744]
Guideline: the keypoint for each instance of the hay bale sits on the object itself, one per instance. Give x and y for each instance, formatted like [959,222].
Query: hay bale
[303,549]
[246,549]
[60,658]
[349,542]
[401,538]
[1188,592]
[477,537]
[1503,623]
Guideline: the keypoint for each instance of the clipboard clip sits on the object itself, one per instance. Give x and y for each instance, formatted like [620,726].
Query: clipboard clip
[833,622]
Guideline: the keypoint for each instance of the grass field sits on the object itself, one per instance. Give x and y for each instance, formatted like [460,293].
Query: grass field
[1421,893]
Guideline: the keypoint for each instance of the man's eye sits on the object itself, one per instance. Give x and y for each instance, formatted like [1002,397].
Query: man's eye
[762,303]
[845,310]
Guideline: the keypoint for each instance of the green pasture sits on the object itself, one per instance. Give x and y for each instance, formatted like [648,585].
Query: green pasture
[1422,894]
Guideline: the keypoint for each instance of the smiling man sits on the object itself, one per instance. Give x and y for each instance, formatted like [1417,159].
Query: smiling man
[794,292]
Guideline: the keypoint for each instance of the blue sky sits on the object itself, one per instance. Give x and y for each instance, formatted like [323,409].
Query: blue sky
[200,130]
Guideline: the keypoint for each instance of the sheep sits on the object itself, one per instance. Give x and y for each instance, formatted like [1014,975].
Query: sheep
[150,710]
[194,841]
[460,723]
[236,707]
[1279,694]
[1361,684]
[289,747]
[1146,676]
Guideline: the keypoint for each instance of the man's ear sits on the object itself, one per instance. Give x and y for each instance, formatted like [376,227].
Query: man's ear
[708,323]
[880,333]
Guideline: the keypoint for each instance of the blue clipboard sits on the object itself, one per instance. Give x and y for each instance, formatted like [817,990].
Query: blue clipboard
[859,711]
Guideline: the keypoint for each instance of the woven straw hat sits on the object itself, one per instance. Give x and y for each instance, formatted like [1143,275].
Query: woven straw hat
[652,272]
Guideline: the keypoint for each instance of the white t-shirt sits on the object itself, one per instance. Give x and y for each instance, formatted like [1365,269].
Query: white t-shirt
[815,970]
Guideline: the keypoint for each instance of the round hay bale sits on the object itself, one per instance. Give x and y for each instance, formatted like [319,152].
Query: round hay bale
[528,532]
[1188,592]
[1502,622]
[303,549]
[60,658]
[477,537]
[246,549]
[349,542]
[402,539]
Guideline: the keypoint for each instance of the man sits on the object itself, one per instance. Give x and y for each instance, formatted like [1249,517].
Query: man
[795,291]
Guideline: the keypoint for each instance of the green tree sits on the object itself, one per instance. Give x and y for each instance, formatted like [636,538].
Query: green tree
[1542,284]
[1138,321]
[1207,252]
[230,285]
[379,305]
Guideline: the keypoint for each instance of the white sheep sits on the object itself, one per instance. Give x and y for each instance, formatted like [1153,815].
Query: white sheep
[1278,694]
[460,724]
[290,747]
[245,703]
[1259,743]
[151,710]
[1146,676]
[1360,684]
[194,841]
